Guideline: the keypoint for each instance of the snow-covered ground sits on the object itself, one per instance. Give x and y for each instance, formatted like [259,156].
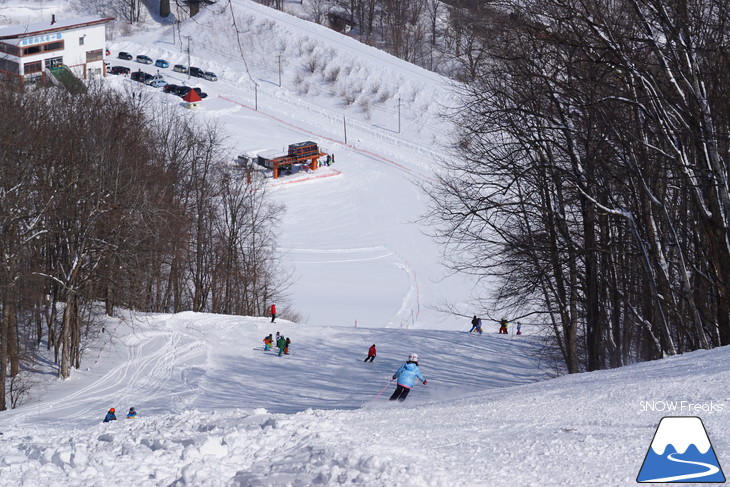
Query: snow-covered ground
[352,242]
[216,410]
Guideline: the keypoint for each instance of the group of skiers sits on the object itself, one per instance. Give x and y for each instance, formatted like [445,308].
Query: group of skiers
[280,342]
[405,375]
[329,161]
[111,415]
[476,324]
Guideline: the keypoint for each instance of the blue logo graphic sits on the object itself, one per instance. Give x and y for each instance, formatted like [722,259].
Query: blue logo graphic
[681,452]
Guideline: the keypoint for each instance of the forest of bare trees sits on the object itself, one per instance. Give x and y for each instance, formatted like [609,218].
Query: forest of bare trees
[104,204]
[592,180]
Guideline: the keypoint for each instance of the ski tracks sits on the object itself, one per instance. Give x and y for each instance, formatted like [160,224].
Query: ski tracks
[149,365]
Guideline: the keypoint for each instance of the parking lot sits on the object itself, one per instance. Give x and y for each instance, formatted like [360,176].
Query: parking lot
[175,79]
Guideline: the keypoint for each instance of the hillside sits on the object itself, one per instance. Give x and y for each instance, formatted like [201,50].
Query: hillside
[215,410]
[353,242]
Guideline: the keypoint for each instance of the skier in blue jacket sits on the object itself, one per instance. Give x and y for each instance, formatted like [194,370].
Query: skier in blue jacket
[406,376]
[110,416]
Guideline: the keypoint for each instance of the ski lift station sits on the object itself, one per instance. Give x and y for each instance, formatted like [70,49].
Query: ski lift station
[303,154]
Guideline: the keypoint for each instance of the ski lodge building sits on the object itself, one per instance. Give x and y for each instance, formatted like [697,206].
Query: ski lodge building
[29,51]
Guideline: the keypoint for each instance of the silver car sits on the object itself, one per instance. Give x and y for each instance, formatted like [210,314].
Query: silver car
[210,76]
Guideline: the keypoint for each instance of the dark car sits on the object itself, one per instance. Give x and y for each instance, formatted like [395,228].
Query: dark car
[184,91]
[170,88]
[140,76]
[125,55]
[119,70]
[197,72]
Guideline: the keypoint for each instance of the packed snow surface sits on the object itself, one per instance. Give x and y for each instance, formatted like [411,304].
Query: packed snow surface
[217,410]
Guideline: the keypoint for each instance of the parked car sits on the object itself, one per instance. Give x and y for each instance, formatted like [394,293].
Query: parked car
[141,58]
[180,68]
[181,90]
[140,76]
[124,55]
[161,63]
[170,88]
[150,78]
[210,76]
[157,83]
[184,91]
[197,72]
[120,70]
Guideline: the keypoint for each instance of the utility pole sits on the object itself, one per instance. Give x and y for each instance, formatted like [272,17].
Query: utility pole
[344,124]
[188,38]
[256,96]
[279,70]
[398,114]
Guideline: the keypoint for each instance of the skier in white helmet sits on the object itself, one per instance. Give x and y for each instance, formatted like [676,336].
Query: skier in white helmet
[406,376]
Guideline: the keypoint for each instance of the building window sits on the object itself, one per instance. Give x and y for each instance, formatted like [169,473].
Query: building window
[54,62]
[9,49]
[34,67]
[53,46]
[81,41]
[92,56]
[9,66]
[31,50]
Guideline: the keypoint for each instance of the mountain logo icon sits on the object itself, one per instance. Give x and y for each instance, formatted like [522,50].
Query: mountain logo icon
[680,452]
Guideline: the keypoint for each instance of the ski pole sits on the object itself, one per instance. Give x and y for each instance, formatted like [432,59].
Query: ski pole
[384,388]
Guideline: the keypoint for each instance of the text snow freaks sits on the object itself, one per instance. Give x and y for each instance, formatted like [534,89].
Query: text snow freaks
[681,407]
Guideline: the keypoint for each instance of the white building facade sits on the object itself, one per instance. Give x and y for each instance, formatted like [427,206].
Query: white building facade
[26,51]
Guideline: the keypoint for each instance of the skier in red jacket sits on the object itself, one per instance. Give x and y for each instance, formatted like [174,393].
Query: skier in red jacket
[371,354]
[273,312]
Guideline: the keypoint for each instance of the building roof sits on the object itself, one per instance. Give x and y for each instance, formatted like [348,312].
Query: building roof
[16,31]
[192,96]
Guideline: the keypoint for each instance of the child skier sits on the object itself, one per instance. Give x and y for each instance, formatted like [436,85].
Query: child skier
[131,414]
[519,329]
[479,325]
[286,349]
[273,312]
[406,376]
[110,416]
[281,343]
[268,341]
[503,326]
[371,354]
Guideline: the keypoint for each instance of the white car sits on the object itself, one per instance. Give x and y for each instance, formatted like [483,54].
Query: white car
[210,76]
[144,59]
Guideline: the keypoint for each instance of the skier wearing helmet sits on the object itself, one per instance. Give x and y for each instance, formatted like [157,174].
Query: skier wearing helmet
[406,376]
[110,416]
